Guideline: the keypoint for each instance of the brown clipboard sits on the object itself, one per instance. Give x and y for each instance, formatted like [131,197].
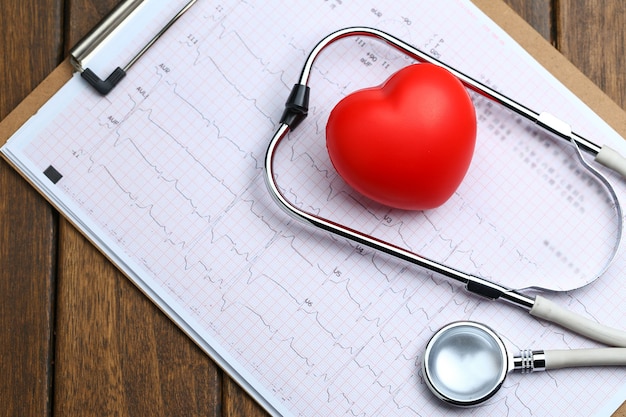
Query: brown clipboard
[498,11]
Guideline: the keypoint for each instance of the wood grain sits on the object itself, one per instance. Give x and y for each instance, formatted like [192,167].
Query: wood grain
[29,46]
[237,403]
[118,354]
[538,13]
[591,35]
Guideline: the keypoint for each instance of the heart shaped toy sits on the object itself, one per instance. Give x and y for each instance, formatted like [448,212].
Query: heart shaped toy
[407,143]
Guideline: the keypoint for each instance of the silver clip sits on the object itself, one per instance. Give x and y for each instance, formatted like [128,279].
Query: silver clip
[98,35]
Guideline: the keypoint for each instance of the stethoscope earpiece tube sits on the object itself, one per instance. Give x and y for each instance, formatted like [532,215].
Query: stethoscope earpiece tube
[611,159]
[552,312]
[572,358]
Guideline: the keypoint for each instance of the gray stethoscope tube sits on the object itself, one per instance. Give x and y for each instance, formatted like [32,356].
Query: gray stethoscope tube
[296,109]
[465,363]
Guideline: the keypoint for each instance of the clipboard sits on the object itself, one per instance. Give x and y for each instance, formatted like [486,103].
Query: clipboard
[497,11]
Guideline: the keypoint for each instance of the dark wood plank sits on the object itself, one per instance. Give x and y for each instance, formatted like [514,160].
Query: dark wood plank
[30,45]
[27,248]
[591,34]
[538,13]
[82,16]
[237,403]
[117,354]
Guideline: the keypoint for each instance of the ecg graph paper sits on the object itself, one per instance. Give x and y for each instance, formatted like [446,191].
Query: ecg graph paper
[165,175]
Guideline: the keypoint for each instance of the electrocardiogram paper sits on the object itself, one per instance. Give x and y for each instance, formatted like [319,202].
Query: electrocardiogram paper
[165,174]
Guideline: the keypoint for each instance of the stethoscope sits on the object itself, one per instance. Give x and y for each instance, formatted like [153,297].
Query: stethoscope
[465,363]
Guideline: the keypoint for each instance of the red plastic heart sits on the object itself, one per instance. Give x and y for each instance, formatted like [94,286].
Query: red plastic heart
[407,143]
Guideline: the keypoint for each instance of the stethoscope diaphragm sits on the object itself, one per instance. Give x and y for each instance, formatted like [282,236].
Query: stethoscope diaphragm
[465,363]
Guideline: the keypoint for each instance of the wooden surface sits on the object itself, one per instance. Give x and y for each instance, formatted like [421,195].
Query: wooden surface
[76,337]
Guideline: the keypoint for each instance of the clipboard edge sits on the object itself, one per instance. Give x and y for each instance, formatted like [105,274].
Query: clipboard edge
[505,17]
[35,100]
[555,62]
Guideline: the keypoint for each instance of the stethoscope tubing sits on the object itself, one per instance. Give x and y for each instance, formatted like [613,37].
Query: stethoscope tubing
[571,358]
[474,284]
[583,143]
[540,307]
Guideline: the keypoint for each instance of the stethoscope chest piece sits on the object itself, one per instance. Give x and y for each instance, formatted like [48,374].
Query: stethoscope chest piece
[465,363]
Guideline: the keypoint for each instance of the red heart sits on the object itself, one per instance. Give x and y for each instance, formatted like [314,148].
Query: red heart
[407,143]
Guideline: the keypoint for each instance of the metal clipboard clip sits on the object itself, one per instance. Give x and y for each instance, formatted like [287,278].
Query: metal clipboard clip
[99,34]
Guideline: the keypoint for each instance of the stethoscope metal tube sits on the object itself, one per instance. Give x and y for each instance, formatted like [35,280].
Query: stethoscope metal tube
[583,144]
[473,284]
[296,109]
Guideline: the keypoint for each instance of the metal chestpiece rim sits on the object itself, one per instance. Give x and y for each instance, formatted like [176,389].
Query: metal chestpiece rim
[465,363]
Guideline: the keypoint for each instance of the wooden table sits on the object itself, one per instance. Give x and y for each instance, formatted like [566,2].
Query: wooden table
[76,337]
